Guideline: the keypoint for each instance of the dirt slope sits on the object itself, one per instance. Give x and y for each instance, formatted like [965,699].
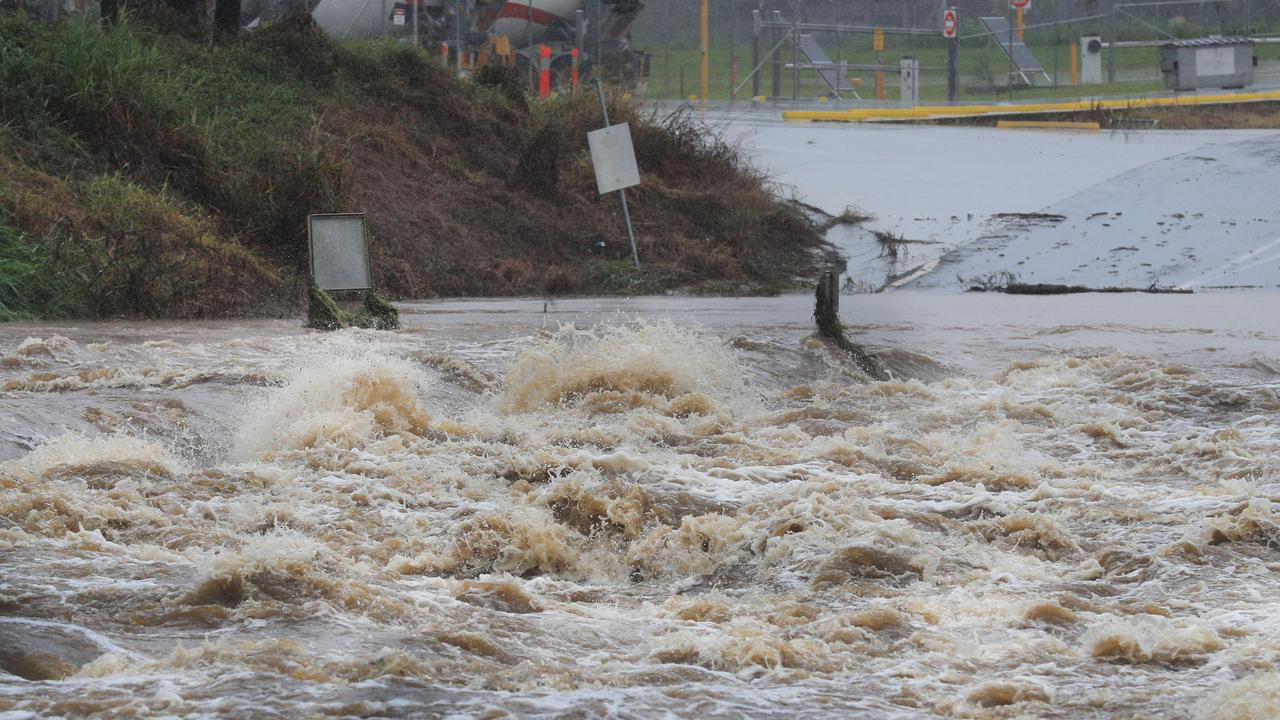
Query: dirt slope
[197,162]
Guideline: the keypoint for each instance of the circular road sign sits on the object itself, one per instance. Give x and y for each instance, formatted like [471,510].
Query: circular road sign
[949,24]
[1020,4]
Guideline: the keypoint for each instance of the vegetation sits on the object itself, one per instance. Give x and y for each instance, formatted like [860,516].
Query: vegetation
[324,313]
[1253,115]
[30,287]
[163,175]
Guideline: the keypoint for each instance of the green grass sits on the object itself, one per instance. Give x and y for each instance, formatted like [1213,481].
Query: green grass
[31,285]
[162,166]
[613,275]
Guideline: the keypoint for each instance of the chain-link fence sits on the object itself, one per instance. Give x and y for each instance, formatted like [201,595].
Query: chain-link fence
[756,47]
[852,50]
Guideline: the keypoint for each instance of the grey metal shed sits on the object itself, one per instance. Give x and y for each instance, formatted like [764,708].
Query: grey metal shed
[1212,62]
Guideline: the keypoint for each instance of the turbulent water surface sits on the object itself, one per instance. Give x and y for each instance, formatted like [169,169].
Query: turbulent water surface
[1061,507]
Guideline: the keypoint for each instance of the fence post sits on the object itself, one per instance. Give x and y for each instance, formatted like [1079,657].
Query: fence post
[755,52]
[705,69]
[953,62]
[776,59]
[1111,49]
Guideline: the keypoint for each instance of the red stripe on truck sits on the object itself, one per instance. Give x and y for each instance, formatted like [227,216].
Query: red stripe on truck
[517,11]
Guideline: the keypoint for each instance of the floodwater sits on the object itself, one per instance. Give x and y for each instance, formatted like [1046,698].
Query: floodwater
[686,508]
[1189,208]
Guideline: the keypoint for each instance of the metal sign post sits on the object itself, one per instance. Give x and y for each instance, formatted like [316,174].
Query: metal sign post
[1009,75]
[614,160]
[951,31]
[877,44]
[1018,7]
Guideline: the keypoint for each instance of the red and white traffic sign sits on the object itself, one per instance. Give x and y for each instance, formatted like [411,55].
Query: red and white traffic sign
[1020,4]
[949,24]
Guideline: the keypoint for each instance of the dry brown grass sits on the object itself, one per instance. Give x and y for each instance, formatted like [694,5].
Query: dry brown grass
[1256,115]
[1205,117]
[175,176]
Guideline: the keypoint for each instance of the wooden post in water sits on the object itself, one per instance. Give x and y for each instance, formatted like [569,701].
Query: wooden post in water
[826,314]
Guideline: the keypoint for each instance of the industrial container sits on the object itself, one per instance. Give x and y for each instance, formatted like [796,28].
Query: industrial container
[1212,62]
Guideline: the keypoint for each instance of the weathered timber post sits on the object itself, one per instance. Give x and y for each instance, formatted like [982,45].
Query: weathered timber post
[826,314]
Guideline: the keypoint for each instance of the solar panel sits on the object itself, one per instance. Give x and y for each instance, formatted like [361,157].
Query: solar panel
[1019,53]
[817,56]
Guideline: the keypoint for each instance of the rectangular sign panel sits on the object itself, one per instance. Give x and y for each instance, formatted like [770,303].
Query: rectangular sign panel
[613,157]
[339,251]
[1215,61]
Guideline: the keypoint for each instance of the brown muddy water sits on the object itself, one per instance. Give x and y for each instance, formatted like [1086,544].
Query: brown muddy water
[686,508]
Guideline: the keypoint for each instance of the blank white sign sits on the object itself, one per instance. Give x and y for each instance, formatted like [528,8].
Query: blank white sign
[1215,61]
[339,252]
[613,157]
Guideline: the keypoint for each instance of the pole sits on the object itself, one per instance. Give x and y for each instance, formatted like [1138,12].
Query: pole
[755,52]
[1010,54]
[733,80]
[1021,37]
[457,29]
[1057,43]
[622,192]
[1111,50]
[1075,63]
[666,70]
[733,53]
[776,59]
[877,44]
[706,59]
[953,65]
[415,22]
[795,53]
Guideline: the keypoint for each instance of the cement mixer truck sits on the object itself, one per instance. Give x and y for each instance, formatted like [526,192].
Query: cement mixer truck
[475,33]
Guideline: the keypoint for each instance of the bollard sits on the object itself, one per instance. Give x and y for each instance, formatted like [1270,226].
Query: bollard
[544,71]
[1075,64]
[909,76]
[573,73]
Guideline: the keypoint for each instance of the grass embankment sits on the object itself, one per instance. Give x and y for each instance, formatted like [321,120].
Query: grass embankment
[144,173]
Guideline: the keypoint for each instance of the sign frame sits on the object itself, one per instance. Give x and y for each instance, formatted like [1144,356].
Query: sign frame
[364,240]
